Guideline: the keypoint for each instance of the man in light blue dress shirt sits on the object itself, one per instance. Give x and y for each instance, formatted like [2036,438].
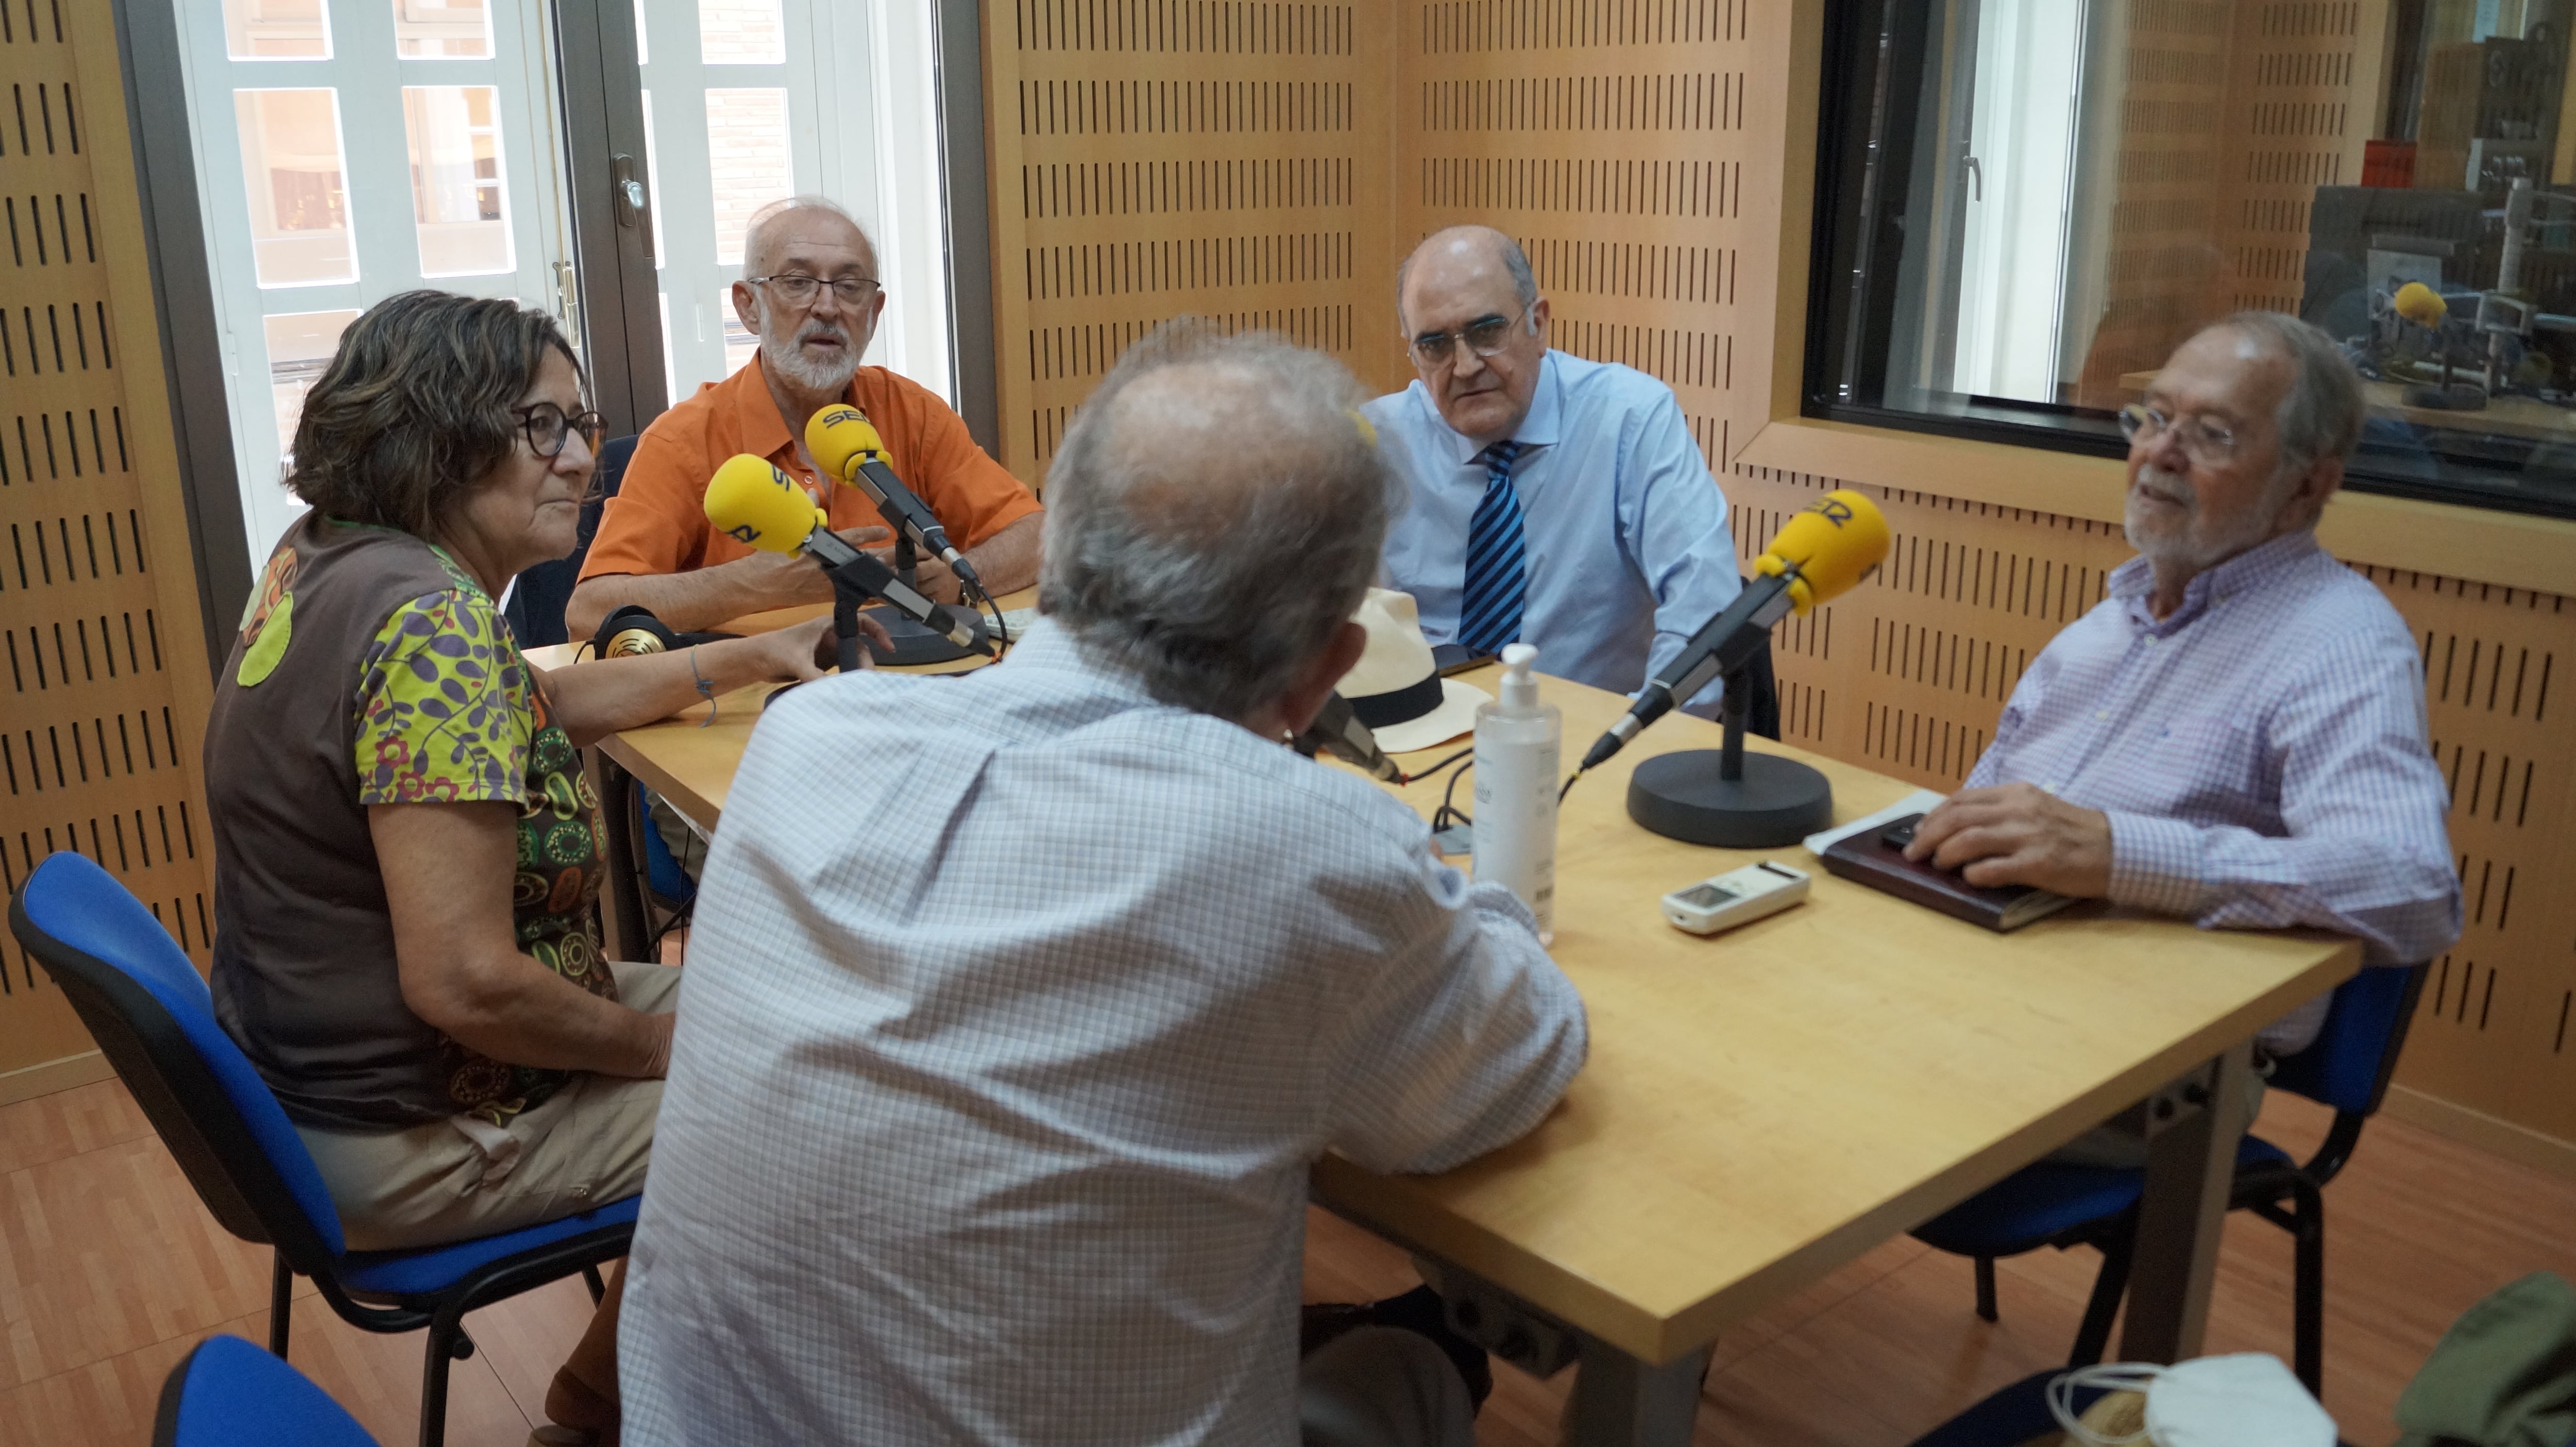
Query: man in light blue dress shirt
[1554,501]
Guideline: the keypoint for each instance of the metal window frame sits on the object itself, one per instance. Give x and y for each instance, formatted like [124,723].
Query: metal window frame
[183,305]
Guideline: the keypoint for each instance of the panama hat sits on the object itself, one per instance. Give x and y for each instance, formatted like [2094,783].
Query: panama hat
[1396,689]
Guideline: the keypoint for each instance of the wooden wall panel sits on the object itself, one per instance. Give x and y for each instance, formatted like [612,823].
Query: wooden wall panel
[1153,157]
[1607,137]
[103,702]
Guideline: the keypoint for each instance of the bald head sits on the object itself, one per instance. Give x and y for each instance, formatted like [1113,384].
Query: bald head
[1214,516]
[799,224]
[1475,250]
[1476,328]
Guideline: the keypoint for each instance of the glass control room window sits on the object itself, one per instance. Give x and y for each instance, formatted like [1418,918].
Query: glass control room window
[2025,205]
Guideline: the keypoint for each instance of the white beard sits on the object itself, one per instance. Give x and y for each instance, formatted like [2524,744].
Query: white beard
[787,356]
[2189,537]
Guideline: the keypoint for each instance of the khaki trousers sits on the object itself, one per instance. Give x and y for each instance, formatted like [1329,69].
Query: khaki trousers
[452,1180]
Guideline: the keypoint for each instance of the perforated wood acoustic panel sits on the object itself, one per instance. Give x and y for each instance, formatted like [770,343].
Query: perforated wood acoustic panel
[1153,157]
[1607,137]
[99,725]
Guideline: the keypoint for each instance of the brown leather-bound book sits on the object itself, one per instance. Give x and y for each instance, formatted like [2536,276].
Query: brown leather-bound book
[1876,857]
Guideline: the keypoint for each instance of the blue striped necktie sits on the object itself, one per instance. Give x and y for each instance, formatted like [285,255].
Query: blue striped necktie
[1497,584]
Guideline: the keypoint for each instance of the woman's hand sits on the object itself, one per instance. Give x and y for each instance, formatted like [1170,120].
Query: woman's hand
[812,649]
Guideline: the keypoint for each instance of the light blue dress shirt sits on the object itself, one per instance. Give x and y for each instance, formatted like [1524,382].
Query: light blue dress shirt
[1006,1053]
[1629,552]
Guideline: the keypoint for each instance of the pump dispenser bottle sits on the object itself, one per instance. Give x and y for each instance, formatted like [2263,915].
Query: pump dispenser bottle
[1518,740]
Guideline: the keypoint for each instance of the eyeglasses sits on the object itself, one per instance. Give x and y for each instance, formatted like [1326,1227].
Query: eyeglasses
[547,425]
[2203,441]
[1487,336]
[797,289]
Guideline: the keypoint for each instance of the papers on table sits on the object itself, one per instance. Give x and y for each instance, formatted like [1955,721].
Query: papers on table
[1921,801]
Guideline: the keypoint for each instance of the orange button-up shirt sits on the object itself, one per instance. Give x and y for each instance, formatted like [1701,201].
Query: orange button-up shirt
[657,523]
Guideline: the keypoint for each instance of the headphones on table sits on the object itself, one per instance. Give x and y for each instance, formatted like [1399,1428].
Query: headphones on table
[632,631]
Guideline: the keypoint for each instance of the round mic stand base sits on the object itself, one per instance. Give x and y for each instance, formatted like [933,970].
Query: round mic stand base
[916,642]
[1777,801]
[1727,797]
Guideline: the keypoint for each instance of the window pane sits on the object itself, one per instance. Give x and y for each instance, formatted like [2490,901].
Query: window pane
[739,343]
[299,347]
[276,30]
[653,187]
[747,159]
[442,30]
[741,32]
[299,205]
[456,189]
[2033,202]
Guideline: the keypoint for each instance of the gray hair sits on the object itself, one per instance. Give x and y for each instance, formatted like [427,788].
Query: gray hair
[752,237]
[1515,261]
[1214,515]
[2322,413]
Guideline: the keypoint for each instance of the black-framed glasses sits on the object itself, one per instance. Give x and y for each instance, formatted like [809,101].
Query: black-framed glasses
[547,425]
[2208,443]
[797,289]
[1486,336]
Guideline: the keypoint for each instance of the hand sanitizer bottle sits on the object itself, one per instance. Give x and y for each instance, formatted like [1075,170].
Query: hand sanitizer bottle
[1518,740]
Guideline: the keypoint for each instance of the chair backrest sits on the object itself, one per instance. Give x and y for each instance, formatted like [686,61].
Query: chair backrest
[538,596]
[227,1393]
[155,1021]
[2349,1065]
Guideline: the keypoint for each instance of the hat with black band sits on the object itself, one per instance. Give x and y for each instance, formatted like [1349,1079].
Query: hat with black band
[1396,688]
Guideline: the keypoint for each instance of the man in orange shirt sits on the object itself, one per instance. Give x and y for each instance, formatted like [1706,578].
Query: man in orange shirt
[810,292]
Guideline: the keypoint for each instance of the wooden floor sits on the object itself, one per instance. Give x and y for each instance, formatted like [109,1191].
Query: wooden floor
[109,1269]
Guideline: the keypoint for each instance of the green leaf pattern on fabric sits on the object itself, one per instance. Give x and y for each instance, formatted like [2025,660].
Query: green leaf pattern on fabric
[448,713]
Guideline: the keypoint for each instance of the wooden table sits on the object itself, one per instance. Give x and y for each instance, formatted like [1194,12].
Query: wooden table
[1763,1106]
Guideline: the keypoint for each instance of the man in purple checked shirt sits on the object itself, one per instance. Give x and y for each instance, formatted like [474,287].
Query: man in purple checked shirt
[2236,734]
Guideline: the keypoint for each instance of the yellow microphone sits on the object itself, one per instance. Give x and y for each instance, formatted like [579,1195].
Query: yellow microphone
[1817,554]
[846,445]
[754,503]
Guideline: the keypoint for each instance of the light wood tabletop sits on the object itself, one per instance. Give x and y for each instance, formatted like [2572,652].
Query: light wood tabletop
[1761,1106]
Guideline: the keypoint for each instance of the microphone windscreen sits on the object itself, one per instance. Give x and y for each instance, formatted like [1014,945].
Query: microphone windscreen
[1831,543]
[752,502]
[841,437]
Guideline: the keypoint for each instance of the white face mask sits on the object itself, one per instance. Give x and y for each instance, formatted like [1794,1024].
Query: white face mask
[2250,1400]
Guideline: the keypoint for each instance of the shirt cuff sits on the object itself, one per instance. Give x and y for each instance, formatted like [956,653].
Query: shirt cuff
[2155,864]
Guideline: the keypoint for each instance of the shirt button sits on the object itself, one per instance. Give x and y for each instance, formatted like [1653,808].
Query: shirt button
[2101,713]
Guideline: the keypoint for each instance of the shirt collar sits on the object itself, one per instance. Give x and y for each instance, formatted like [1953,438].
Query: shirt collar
[1048,644]
[2256,567]
[755,413]
[1540,428]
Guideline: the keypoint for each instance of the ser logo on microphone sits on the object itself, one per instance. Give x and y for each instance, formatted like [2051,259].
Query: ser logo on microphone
[1834,510]
[745,534]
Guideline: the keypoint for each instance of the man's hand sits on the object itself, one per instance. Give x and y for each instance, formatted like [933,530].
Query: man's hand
[786,580]
[2019,834]
[936,582]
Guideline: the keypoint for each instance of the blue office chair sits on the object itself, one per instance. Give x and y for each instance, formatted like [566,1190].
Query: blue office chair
[227,1393]
[154,1020]
[2049,1204]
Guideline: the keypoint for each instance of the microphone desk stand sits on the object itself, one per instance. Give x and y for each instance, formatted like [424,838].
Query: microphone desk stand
[913,642]
[1726,797]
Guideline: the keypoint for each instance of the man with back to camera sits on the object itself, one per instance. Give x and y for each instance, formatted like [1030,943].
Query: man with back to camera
[810,291]
[991,1115]
[2236,734]
[1554,501]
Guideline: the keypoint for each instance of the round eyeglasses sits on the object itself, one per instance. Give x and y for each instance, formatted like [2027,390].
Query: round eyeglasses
[2208,443]
[547,425]
[1485,336]
[797,289]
